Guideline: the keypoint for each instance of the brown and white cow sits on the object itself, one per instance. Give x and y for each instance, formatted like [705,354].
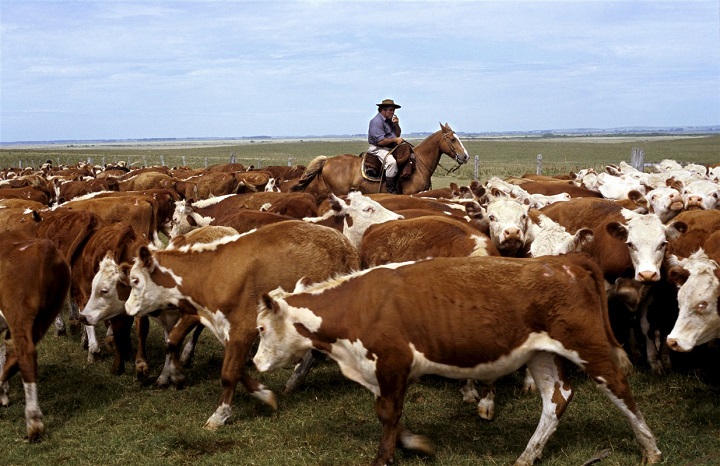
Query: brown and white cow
[110,290]
[421,238]
[35,279]
[222,281]
[698,281]
[458,318]
[623,240]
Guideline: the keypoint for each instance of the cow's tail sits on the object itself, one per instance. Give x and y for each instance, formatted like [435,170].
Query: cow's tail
[311,172]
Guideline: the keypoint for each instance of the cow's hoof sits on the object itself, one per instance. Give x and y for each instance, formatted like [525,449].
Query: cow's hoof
[142,370]
[416,442]
[35,431]
[486,409]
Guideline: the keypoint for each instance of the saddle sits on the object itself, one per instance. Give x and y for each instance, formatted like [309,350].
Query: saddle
[372,168]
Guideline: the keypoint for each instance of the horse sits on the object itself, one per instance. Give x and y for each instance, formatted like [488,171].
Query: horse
[342,173]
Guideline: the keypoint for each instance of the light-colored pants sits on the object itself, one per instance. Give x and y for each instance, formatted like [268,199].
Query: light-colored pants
[387,160]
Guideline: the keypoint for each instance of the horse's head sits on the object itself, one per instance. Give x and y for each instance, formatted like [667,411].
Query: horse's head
[452,145]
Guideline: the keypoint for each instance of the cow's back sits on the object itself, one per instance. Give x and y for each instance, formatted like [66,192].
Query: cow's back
[467,311]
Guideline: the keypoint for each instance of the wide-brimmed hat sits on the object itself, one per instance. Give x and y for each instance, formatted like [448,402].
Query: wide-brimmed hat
[388,103]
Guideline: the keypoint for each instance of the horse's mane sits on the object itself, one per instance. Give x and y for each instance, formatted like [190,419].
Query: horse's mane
[311,172]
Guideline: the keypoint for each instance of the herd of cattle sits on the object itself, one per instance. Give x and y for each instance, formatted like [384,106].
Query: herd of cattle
[607,270]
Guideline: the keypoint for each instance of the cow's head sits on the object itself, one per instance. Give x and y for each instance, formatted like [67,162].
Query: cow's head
[507,224]
[552,239]
[698,282]
[110,290]
[280,341]
[152,286]
[359,213]
[646,238]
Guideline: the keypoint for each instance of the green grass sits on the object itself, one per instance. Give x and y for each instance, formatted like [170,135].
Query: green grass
[496,157]
[94,417]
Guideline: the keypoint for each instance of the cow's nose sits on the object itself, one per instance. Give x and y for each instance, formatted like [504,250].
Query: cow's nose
[673,345]
[648,276]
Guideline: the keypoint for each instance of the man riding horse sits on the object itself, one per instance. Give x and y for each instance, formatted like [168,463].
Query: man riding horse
[383,136]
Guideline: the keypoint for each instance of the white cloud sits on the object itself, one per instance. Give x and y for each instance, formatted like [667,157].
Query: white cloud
[317,67]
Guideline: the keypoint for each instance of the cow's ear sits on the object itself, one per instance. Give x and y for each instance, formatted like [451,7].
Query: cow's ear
[125,273]
[269,303]
[677,228]
[678,275]
[583,236]
[617,230]
[145,256]
[191,220]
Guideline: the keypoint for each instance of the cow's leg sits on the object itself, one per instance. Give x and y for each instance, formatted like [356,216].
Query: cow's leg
[556,393]
[8,366]
[142,327]
[611,380]
[92,344]
[529,382]
[300,373]
[22,356]
[233,370]
[60,329]
[121,327]
[173,361]
[27,362]
[189,349]
[486,403]
[388,408]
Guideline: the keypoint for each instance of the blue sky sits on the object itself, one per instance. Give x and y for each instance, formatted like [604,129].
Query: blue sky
[121,70]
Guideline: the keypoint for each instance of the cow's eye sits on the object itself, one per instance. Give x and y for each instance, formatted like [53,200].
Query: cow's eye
[491,218]
[104,291]
[260,329]
[662,245]
[701,306]
[631,246]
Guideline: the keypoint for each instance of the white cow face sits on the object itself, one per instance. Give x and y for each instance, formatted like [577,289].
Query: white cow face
[360,213]
[180,224]
[553,239]
[698,279]
[508,224]
[665,202]
[280,343]
[646,237]
[702,194]
[145,295]
[108,294]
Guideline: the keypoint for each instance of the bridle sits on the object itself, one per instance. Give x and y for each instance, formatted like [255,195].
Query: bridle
[454,154]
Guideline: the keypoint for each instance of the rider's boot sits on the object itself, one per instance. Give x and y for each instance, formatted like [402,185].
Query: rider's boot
[390,183]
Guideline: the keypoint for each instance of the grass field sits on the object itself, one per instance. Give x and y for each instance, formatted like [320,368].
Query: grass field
[94,417]
[496,156]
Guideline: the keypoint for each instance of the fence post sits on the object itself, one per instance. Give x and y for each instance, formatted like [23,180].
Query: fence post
[206,165]
[538,168]
[232,157]
[162,160]
[259,166]
[184,163]
[476,170]
[289,162]
[637,159]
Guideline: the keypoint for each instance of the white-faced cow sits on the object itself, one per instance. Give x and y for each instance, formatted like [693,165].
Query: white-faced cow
[221,282]
[35,280]
[472,324]
[698,281]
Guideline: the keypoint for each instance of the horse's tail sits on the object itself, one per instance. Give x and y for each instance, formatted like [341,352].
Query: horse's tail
[311,172]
